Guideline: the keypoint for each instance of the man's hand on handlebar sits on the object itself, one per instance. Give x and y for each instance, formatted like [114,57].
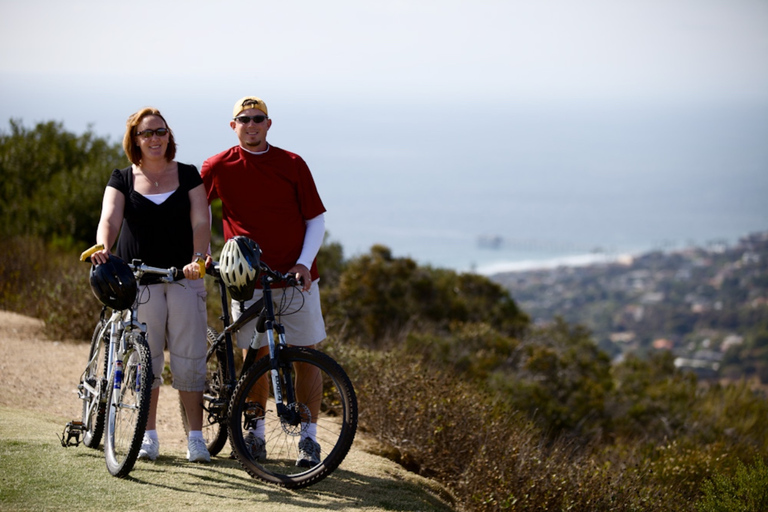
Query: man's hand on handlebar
[302,274]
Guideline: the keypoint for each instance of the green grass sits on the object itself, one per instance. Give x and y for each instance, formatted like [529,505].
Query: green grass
[37,473]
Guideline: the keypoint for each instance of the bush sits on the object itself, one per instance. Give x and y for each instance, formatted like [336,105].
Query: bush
[50,284]
[490,456]
[746,490]
[379,298]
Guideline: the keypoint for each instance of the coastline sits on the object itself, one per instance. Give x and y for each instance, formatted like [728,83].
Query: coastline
[577,260]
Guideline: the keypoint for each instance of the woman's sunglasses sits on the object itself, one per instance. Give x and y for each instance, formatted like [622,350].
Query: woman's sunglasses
[161,132]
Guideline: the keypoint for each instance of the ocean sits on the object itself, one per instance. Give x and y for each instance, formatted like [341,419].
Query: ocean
[488,186]
[497,190]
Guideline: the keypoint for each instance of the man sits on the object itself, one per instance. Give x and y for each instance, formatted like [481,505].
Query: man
[268,194]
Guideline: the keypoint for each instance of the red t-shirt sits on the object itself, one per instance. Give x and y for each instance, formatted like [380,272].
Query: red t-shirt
[267,198]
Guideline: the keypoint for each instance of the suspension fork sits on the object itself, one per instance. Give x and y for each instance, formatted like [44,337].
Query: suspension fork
[290,414]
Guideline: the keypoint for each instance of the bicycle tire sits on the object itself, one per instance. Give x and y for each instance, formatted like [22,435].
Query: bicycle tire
[337,422]
[128,407]
[94,404]
[215,401]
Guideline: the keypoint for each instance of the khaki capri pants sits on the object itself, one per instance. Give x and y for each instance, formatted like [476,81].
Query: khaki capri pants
[176,319]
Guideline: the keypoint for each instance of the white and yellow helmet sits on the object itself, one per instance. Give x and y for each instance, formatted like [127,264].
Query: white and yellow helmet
[239,267]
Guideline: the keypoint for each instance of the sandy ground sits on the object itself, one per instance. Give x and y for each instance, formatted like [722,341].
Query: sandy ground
[38,374]
[42,375]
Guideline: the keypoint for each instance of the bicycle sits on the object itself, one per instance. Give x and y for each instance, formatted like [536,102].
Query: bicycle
[229,413]
[116,384]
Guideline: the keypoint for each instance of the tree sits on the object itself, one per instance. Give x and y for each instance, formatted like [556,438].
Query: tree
[379,295]
[53,182]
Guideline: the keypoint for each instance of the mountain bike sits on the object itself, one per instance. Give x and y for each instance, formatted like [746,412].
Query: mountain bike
[228,412]
[116,384]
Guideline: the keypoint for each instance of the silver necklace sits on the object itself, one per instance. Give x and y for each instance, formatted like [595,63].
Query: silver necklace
[157,183]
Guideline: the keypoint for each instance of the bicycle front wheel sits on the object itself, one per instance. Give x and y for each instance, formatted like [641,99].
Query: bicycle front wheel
[93,385]
[336,419]
[215,398]
[128,406]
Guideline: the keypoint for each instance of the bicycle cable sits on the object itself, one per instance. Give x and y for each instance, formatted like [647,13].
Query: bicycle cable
[285,302]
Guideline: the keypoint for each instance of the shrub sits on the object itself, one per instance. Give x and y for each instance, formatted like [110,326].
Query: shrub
[746,490]
[50,284]
[380,297]
[488,455]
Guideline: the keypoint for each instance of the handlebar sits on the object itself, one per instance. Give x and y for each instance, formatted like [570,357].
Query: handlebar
[265,273]
[89,252]
[273,276]
[166,275]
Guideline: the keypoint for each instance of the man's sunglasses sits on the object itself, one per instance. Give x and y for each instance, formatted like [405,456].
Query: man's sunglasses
[248,119]
[161,132]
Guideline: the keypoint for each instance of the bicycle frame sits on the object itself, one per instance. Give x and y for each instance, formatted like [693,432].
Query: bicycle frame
[117,344]
[122,328]
[121,333]
[290,411]
[116,400]
[224,346]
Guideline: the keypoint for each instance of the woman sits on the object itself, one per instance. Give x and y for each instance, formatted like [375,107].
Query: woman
[160,209]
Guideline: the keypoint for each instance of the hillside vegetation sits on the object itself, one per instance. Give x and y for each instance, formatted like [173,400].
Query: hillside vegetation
[453,378]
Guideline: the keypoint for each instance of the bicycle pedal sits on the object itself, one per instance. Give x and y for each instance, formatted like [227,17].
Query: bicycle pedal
[71,434]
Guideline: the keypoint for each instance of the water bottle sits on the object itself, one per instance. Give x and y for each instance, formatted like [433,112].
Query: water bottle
[118,374]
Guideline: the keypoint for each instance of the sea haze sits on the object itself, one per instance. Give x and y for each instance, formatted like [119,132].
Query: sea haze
[515,188]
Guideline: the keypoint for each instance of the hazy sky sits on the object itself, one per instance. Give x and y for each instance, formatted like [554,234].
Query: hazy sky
[470,50]
[97,61]
[373,86]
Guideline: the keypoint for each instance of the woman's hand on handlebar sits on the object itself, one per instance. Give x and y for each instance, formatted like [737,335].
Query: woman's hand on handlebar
[99,257]
[196,269]
[302,275]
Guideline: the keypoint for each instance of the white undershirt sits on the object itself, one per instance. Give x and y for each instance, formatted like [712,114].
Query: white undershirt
[255,152]
[159,198]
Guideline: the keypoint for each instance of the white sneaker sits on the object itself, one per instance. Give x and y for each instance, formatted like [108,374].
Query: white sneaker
[150,448]
[197,451]
[256,446]
[309,453]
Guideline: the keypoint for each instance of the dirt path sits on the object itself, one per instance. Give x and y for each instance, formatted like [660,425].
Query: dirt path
[42,375]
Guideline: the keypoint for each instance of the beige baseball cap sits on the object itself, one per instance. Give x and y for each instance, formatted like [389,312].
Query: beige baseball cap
[249,102]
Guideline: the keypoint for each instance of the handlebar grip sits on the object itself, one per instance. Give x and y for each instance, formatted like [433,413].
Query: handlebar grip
[87,253]
[201,265]
[291,280]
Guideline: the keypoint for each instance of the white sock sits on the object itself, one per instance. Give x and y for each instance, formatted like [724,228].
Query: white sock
[259,430]
[152,434]
[308,430]
[195,434]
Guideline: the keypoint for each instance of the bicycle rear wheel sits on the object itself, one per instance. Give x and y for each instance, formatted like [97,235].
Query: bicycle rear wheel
[215,398]
[336,422]
[93,385]
[128,406]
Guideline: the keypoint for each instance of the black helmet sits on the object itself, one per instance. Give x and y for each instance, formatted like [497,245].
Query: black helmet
[239,266]
[114,284]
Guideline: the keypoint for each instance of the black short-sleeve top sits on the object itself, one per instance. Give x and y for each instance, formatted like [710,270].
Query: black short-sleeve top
[158,234]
